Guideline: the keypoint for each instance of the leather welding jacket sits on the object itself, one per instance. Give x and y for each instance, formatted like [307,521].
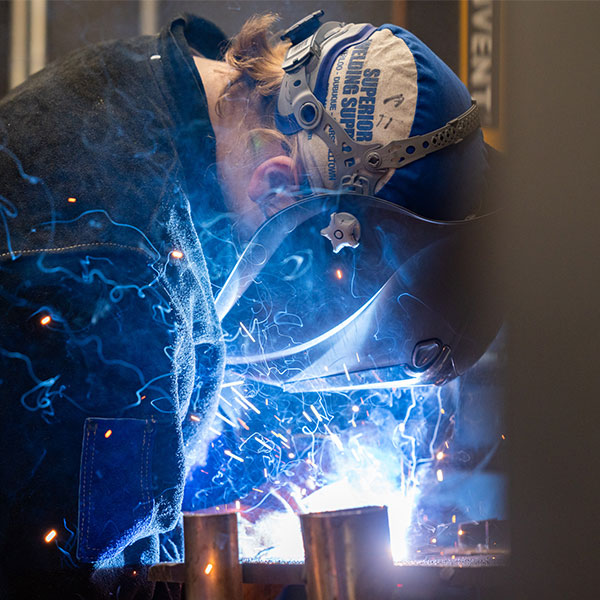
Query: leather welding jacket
[110,350]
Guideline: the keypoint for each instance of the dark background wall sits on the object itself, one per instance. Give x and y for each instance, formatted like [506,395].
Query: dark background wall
[436,22]
[4,45]
[73,23]
[552,279]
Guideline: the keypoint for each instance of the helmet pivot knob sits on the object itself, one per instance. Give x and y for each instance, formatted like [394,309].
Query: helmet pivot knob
[343,230]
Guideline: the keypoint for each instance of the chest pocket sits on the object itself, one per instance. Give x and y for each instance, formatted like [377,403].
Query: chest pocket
[115,499]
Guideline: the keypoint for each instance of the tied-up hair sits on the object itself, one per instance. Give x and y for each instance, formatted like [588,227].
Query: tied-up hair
[257,55]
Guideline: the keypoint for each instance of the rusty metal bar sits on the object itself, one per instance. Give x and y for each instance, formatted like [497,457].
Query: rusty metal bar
[212,567]
[348,554]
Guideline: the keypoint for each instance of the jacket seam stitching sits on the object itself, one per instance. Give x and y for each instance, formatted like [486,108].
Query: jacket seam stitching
[73,247]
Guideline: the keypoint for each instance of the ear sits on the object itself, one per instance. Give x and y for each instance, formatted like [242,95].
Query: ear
[269,182]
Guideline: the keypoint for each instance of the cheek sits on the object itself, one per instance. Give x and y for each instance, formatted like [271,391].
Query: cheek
[234,161]
[276,202]
[248,219]
[234,183]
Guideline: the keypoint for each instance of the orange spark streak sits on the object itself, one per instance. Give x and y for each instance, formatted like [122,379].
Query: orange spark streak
[50,536]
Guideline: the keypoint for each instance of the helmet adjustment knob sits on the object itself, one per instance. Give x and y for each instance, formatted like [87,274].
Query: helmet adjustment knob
[343,230]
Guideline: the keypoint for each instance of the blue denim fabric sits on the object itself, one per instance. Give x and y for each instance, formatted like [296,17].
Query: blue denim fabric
[133,344]
[114,450]
[114,356]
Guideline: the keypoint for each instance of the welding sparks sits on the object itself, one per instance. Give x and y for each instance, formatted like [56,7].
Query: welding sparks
[252,406]
[245,402]
[319,417]
[108,433]
[177,254]
[226,420]
[50,536]
[247,331]
[461,532]
[335,438]
[223,399]
[232,383]
[261,441]
[45,320]
[338,273]
[232,455]
[348,465]
[71,200]
[278,435]
[195,418]
[346,371]
[208,569]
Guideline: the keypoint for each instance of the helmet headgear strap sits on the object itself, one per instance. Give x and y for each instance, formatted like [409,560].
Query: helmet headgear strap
[359,166]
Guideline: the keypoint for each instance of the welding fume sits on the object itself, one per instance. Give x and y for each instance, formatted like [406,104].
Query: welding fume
[246,272]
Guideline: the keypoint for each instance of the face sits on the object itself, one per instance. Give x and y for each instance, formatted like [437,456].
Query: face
[235,168]
[256,173]
[254,169]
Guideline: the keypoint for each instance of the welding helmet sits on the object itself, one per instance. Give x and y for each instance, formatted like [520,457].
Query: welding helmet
[346,289]
[341,291]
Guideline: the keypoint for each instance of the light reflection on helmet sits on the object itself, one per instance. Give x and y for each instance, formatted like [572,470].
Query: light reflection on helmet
[413,303]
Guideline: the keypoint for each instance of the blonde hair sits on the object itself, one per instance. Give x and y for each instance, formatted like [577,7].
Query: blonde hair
[257,56]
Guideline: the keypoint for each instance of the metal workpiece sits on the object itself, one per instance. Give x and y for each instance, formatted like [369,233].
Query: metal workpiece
[212,567]
[348,554]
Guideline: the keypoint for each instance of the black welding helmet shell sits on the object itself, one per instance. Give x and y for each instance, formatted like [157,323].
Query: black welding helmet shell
[344,291]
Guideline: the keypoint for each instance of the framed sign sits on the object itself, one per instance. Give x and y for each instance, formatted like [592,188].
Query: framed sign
[481,62]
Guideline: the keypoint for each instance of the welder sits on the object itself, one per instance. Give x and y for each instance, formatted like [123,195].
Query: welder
[131,175]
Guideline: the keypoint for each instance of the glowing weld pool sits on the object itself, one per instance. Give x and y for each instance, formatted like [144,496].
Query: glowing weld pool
[424,452]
